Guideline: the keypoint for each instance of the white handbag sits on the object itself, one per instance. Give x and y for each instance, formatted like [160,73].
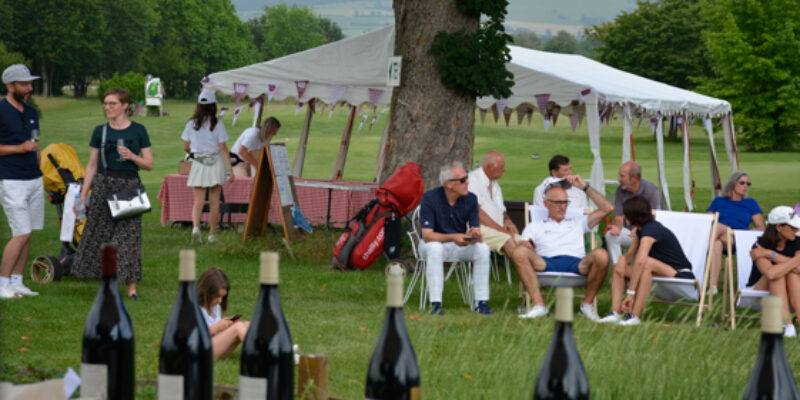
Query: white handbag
[128,203]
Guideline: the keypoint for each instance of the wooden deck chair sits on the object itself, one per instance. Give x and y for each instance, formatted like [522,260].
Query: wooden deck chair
[533,214]
[746,298]
[462,269]
[694,232]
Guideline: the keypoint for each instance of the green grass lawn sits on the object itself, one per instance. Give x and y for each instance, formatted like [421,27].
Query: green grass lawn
[461,355]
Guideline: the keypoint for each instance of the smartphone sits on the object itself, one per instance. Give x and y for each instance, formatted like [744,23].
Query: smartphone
[236,317]
[470,238]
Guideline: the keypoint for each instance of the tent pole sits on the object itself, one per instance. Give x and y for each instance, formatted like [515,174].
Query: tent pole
[382,149]
[300,156]
[627,129]
[593,125]
[338,165]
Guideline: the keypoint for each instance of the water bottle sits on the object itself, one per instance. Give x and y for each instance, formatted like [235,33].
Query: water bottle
[80,208]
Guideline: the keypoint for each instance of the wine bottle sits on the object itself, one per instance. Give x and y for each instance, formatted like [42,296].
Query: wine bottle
[107,354]
[267,363]
[771,377]
[393,372]
[561,375]
[186,358]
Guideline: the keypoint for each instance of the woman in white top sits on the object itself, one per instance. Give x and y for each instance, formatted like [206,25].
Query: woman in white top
[213,288]
[250,143]
[205,138]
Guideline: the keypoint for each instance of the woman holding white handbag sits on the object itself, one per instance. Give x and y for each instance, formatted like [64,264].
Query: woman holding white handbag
[119,149]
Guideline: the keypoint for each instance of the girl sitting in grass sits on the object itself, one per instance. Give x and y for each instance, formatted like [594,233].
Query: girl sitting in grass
[213,288]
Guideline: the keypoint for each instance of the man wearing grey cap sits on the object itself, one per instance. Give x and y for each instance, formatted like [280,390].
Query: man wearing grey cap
[21,186]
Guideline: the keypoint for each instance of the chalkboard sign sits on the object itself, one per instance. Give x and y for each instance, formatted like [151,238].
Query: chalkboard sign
[273,172]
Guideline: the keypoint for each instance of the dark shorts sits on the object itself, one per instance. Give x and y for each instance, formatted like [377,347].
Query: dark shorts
[562,264]
[684,274]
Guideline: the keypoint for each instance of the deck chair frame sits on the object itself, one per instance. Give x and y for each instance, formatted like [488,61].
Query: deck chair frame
[744,265]
[659,283]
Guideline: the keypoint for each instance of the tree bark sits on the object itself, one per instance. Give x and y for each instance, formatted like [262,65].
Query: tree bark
[429,124]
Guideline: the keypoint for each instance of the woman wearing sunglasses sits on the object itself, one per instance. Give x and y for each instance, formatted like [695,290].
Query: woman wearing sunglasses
[736,211]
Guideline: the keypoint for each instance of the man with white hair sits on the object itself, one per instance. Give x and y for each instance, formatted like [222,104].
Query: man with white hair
[559,239]
[500,233]
[451,230]
[21,185]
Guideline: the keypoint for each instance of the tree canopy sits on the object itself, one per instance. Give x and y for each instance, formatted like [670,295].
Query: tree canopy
[754,48]
[283,30]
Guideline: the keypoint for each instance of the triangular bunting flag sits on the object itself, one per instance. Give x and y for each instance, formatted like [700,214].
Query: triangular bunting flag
[238,90]
[546,124]
[501,105]
[299,106]
[494,112]
[374,96]
[372,121]
[363,119]
[529,114]
[236,112]
[573,121]
[271,89]
[483,115]
[301,88]
[521,111]
[206,80]
[541,102]
[507,115]
[324,106]
[222,111]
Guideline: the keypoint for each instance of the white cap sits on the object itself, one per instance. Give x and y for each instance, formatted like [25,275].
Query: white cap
[552,181]
[18,73]
[783,215]
[207,97]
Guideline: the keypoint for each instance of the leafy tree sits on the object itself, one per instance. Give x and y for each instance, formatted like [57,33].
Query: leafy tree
[8,58]
[526,39]
[660,40]
[283,30]
[194,38]
[754,48]
[127,28]
[562,42]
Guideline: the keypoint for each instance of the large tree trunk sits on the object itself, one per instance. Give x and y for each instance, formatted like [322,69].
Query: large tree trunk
[429,123]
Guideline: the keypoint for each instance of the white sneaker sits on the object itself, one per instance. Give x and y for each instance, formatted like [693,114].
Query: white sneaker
[588,311]
[630,320]
[6,292]
[196,235]
[212,238]
[21,289]
[535,312]
[789,331]
[610,318]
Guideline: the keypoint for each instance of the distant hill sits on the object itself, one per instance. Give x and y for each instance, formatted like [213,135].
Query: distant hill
[540,16]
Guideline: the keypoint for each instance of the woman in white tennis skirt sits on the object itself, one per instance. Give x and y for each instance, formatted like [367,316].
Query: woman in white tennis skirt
[205,138]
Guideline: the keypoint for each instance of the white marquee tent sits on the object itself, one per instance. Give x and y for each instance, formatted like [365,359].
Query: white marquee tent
[355,70]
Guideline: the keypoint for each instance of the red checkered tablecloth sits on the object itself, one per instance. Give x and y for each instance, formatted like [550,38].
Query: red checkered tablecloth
[347,197]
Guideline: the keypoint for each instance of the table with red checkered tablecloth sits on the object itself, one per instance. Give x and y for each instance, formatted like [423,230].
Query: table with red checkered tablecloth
[314,196]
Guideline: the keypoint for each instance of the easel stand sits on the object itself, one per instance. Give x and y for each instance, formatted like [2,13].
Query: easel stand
[273,172]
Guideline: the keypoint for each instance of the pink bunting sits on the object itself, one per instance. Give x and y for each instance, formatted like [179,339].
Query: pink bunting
[271,89]
[299,106]
[222,111]
[236,112]
[546,124]
[541,101]
[324,106]
[573,121]
[494,112]
[301,88]
[507,115]
[206,80]
[529,114]
[372,121]
[521,111]
[238,90]
[363,119]
[374,96]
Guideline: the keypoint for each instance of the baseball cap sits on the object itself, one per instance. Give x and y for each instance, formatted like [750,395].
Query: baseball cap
[18,73]
[207,97]
[783,215]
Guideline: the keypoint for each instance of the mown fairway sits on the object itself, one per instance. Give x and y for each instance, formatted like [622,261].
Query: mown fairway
[462,355]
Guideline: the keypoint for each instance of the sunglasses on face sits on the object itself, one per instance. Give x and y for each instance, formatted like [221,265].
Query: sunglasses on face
[560,202]
[462,180]
[745,183]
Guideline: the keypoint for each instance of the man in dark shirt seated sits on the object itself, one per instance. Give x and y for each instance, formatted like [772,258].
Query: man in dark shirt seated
[450,231]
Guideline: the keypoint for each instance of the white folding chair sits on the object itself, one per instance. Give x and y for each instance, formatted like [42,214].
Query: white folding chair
[462,269]
[747,298]
[695,233]
[497,258]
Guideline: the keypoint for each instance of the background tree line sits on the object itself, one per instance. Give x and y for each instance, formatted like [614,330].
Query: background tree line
[77,42]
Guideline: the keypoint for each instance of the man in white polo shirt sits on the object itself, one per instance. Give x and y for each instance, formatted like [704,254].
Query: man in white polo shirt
[499,233]
[559,238]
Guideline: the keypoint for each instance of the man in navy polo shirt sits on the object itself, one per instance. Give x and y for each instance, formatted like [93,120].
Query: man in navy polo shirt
[21,186]
[450,231]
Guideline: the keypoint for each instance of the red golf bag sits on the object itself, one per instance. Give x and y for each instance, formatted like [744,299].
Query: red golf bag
[363,239]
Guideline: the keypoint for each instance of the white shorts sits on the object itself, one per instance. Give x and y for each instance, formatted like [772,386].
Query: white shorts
[23,203]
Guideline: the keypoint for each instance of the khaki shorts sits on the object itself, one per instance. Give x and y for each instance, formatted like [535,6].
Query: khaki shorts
[496,239]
